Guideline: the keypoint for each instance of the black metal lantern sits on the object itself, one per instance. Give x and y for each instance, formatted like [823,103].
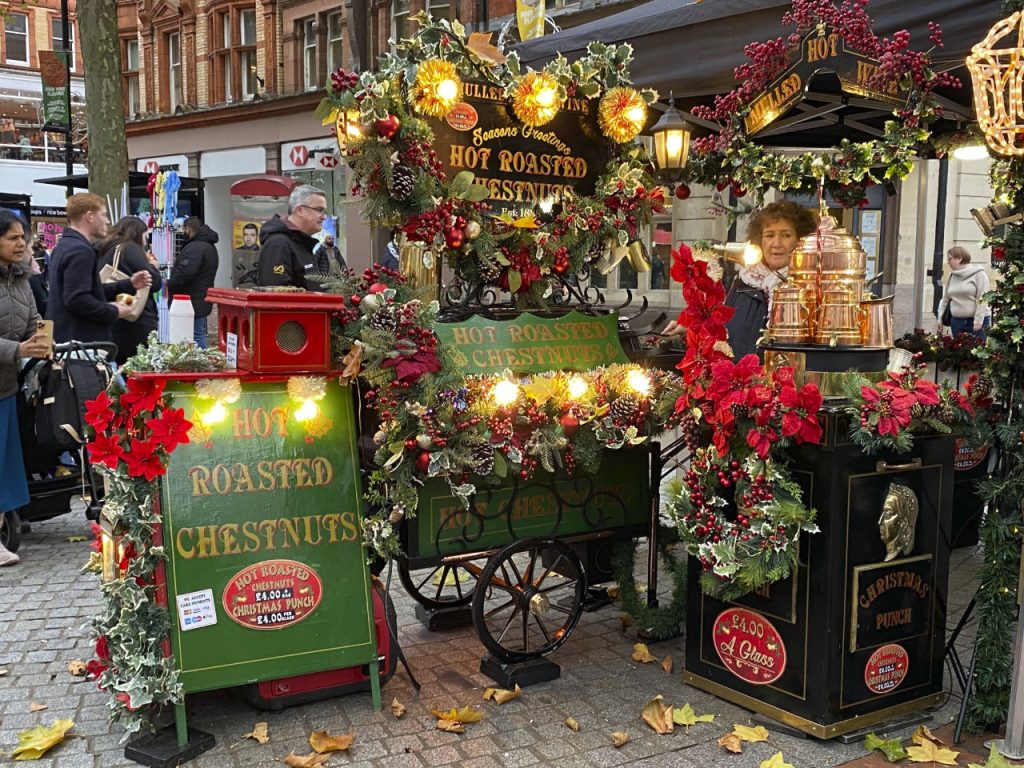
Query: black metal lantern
[671,135]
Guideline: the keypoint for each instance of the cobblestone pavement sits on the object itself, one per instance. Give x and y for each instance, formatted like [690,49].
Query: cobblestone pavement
[46,606]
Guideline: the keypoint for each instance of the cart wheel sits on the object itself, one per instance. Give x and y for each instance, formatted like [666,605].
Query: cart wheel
[523,609]
[443,586]
[10,530]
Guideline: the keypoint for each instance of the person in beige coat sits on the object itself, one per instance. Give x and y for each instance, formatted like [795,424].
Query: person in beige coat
[968,283]
[18,339]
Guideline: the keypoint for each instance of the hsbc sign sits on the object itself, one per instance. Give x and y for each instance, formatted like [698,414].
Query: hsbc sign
[309,155]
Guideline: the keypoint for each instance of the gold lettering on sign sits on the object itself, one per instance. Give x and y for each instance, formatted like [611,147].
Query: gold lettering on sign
[225,479]
[893,580]
[771,105]
[200,542]
[898,618]
[822,47]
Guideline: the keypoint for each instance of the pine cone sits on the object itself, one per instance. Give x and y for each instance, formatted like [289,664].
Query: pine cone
[483,460]
[624,408]
[384,319]
[490,270]
[946,412]
[403,178]
[983,385]
[917,410]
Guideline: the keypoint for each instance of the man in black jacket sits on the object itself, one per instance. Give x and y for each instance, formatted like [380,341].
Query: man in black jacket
[194,271]
[78,302]
[286,245]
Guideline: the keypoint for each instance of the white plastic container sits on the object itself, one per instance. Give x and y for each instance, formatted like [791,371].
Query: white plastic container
[182,319]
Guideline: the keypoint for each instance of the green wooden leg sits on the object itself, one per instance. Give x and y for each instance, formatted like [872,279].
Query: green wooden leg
[374,669]
[182,724]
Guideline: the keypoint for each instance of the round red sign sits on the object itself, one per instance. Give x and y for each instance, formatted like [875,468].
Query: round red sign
[967,457]
[463,117]
[273,594]
[886,668]
[749,646]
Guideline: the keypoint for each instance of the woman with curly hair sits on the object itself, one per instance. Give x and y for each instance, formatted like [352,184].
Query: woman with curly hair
[777,229]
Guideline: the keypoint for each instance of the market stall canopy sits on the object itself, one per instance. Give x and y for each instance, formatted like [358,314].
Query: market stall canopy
[692,48]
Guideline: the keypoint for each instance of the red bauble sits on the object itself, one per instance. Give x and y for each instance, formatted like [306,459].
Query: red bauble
[561,266]
[355,299]
[738,190]
[569,424]
[423,462]
[998,254]
[378,288]
[682,192]
[454,237]
[720,186]
[388,127]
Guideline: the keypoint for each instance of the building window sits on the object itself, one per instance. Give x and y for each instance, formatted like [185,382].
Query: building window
[130,76]
[401,26]
[335,40]
[175,87]
[439,9]
[57,35]
[16,38]
[310,75]
[247,52]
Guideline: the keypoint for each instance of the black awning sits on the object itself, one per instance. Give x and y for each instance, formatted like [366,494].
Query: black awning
[136,180]
[692,48]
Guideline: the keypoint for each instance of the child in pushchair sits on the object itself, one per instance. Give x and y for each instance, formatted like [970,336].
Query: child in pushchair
[51,406]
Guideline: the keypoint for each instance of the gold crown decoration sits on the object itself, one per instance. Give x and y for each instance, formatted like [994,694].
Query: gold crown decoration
[997,76]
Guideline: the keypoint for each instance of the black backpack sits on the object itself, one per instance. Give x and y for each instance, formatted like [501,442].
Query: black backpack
[66,384]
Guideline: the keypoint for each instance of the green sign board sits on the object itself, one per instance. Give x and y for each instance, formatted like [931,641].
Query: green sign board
[54,74]
[266,574]
[531,344]
[548,505]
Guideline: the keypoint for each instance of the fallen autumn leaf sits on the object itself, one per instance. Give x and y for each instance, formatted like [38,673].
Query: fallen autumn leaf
[731,742]
[312,760]
[642,654]
[322,741]
[658,715]
[619,738]
[666,664]
[260,732]
[502,695]
[397,707]
[573,724]
[36,742]
[35,706]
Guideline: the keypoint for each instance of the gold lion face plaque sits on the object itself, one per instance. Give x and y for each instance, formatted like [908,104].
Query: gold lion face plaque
[897,525]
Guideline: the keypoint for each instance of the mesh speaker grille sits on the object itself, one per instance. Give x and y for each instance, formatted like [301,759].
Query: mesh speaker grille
[291,336]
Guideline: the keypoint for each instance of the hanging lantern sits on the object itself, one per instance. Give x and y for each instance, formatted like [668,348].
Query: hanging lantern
[622,114]
[347,127]
[438,88]
[671,136]
[996,76]
[536,98]
[112,548]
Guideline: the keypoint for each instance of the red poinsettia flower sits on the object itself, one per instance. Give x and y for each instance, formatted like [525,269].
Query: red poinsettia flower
[761,440]
[801,419]
[106,450]
[409,368]
[142,395]
[926,392]
[94,668]
[125,699]
[143,460]
[127,555]
[893,411]
[98,413]
[171,429]
[102,648]
[729,377]
[783,376]
[682,263]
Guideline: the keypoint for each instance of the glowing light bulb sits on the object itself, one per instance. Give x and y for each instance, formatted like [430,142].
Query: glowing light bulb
[545,97]
[639,382]
[447,90]
[577,387]
[971,152]
[751,254]
[306,411]
[216,414]
[674,143]
[505,392]
[638,114]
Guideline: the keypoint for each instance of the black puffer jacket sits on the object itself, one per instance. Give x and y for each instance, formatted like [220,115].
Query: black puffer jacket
[285,254]
[195,270]
[18,319]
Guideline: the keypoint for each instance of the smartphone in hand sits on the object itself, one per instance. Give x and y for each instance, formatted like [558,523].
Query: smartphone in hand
[44,331]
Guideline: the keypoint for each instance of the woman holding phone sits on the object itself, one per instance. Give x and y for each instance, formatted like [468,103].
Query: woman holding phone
[18,339]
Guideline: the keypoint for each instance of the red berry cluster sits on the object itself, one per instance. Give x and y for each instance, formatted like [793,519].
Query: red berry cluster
[342,80]
[419,154]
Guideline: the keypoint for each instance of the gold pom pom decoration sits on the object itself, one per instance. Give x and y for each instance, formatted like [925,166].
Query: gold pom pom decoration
[302,388]
[438,88]
[622,114]
[536,98]
[219,390]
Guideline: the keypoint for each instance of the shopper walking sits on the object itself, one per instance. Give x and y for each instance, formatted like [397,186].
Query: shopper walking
[18,339]
[286,245]
[125,245]
[967,284]
[78,303]
[195,270]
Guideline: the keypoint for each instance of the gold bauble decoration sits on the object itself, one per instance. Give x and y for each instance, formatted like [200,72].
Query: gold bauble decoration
[536,98]
[996,75]
[622,114]
[437,89]
[472,230]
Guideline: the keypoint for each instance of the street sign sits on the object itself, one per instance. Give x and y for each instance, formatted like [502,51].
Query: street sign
[328,161]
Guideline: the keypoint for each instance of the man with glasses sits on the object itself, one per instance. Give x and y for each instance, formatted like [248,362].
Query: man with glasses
[286,244]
